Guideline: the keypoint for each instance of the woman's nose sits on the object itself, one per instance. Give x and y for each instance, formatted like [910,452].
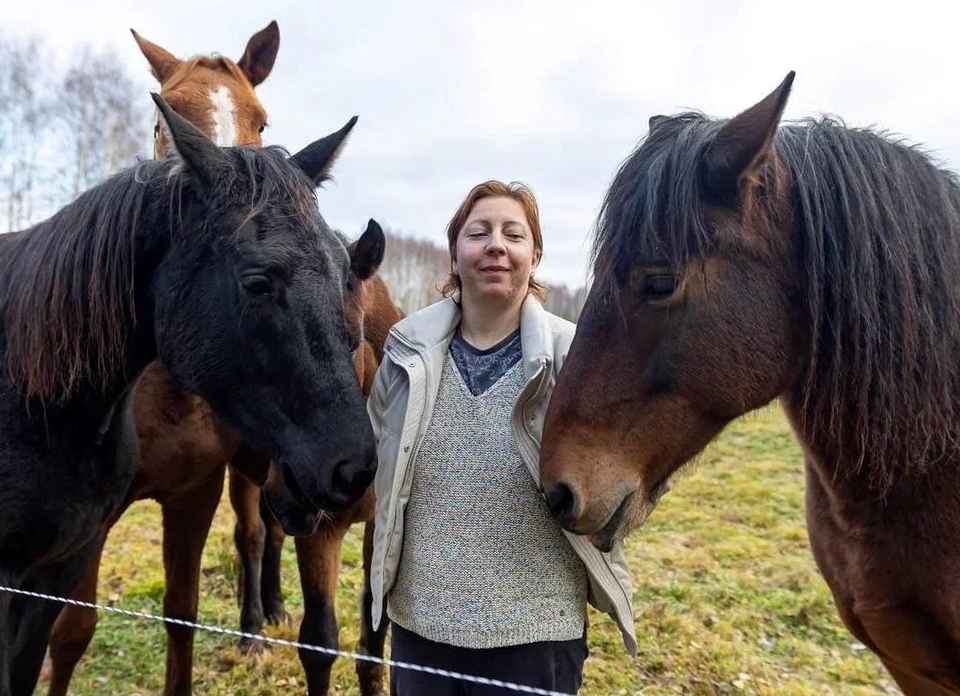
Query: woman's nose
[495,241]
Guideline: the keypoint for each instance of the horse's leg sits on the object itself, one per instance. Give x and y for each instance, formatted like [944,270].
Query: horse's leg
[34,618]
[74,628]
[6,635]
[318,558]
[186,523]
[248,535]
[370,674]
[271,594]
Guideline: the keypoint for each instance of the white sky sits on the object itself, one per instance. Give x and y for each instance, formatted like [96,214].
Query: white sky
[553,93]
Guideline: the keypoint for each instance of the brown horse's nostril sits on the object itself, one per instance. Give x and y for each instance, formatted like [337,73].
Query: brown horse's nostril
[564,503]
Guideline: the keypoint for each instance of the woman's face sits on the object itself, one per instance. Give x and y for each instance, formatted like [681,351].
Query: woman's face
[494,255]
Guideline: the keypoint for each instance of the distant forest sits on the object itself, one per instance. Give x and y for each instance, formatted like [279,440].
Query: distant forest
[67,124]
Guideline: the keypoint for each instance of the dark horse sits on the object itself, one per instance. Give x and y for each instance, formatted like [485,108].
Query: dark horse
[184,448]
[217,262]
[737,262]
[260,540]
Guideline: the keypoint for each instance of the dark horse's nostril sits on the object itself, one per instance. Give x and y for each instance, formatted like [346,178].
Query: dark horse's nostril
[290,481]
[563,503]
[351,478]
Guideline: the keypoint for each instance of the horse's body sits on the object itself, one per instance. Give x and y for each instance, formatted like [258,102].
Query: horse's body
[184,449]
[218,262]
[735,263]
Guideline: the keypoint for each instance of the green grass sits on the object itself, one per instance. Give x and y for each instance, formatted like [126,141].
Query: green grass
[728,599]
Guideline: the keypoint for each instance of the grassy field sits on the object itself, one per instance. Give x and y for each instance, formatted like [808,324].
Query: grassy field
[728,599]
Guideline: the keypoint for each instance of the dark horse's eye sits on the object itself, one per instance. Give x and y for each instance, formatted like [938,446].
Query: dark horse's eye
[257,284]
[659,287]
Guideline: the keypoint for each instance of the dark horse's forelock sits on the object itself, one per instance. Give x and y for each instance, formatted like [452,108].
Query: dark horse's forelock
[653,212]
[68,301]
[879,261]
[877,255]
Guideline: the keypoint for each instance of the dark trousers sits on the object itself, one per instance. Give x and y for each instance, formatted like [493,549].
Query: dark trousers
[551,665]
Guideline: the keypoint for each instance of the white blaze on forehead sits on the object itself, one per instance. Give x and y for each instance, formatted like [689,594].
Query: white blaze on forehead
[224,126]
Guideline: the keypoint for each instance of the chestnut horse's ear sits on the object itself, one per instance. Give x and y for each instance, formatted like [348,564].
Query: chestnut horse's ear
[366,254]
[317,158]
[162,62]
[741,145]
[260,54]
[195,149]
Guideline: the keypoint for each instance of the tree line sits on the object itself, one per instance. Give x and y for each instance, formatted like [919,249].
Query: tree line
[68,122]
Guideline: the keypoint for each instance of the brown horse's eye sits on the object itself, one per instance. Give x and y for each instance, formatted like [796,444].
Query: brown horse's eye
[659,287]
[261,129]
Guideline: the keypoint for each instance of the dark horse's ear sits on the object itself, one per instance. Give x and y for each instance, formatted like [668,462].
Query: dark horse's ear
[317,158]
[366,254]
[741,145]
[260,54]
[199,154]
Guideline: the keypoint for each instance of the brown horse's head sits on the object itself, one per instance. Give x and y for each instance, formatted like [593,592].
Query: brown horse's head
[368,308]
[692,319]
[215,93]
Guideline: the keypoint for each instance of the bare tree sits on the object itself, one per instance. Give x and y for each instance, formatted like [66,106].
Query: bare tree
[102,117]
[24,111]
[62,131]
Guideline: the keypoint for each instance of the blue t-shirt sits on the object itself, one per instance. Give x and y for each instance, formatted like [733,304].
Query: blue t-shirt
[481,369]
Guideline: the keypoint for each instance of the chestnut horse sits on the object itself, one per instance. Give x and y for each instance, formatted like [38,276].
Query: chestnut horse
[215,260]
[739,261]
[184,448]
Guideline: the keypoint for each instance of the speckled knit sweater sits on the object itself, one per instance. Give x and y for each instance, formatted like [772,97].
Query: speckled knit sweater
[483,564]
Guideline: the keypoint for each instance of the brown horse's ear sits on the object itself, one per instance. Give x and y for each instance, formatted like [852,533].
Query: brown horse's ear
[198,153]
[654,120]
[317,158]
[366,254]
[260,54]
[162,62]
[742,144]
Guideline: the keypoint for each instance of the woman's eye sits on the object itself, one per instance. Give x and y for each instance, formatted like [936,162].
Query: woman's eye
[257,284]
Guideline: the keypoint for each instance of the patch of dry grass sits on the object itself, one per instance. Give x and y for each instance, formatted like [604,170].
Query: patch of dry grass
[728,599]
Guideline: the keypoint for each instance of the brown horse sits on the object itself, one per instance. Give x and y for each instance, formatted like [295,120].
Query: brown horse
[184,449]
[739,261]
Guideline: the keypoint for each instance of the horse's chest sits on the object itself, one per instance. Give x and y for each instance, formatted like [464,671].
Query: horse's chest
[51,506]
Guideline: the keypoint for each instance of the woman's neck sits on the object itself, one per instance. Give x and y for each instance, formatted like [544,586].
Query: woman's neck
[484,326]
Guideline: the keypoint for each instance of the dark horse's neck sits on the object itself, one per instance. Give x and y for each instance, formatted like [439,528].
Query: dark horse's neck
[77,299]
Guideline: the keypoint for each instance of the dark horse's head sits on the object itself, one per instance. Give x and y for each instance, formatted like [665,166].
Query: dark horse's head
[736,262]
[249,314]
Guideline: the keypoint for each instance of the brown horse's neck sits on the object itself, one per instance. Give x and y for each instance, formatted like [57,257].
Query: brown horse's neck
[853,471]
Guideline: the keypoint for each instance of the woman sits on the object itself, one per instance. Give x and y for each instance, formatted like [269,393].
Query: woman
[476,575]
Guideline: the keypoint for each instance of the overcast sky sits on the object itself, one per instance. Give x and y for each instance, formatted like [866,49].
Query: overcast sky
[553,93]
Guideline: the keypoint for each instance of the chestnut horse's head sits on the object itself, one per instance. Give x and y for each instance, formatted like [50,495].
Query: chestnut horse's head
[213,92]
[692,319]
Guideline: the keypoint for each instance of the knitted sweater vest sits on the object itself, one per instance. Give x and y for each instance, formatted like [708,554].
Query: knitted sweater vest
[483,563]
